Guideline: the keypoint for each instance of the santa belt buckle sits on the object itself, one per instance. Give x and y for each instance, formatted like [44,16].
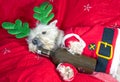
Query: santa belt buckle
[108,56]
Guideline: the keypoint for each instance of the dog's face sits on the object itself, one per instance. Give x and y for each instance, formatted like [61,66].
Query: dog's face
[43,36]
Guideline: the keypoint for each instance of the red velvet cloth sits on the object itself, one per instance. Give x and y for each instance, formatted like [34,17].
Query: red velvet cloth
[17,64]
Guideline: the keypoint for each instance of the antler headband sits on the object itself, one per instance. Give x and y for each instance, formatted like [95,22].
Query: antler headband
[43,13]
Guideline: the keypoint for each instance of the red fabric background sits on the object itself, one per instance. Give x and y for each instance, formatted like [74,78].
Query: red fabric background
[17,64]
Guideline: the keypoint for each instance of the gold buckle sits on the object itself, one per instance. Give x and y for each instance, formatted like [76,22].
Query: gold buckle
[106,44]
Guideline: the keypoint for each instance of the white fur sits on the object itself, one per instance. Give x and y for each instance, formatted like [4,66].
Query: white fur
[115,66]
[75,47]
[47,39]
[66,72]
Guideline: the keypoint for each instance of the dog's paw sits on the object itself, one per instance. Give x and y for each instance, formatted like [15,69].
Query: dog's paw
[32,48]
[76,47]
[66,71]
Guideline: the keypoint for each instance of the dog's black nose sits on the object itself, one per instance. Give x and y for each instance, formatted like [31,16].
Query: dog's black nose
[35,41]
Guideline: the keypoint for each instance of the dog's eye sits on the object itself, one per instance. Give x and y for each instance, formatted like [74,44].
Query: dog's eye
[44,32]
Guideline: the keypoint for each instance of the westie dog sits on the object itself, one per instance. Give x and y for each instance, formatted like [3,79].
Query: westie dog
[50,37]
[46,36]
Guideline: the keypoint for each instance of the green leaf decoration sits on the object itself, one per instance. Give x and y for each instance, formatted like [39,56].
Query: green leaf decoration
[43,13]
[18,29]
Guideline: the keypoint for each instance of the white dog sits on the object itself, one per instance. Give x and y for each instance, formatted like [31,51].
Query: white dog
[50,37]
[47,36]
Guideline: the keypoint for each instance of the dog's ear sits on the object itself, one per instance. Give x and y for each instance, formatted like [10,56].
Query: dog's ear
[53,23]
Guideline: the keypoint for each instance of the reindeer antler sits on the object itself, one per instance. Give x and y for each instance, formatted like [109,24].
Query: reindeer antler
[43,13]
[18,29]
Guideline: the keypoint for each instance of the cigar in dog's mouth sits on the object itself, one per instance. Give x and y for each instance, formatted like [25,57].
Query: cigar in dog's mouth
[43,52]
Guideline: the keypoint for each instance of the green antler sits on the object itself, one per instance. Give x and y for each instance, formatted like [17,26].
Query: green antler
[43,13]
[18,29]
